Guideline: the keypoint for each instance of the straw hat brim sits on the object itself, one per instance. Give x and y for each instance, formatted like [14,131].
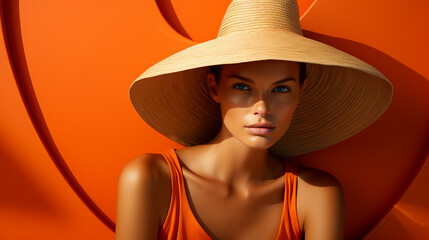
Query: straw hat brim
[342,94]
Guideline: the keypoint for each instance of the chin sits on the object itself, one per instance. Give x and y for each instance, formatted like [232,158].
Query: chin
[259,143]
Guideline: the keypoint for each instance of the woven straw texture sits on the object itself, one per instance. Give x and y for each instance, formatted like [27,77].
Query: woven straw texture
[342,96]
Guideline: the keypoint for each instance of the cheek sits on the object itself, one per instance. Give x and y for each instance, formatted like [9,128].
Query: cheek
[234,111]
[233,116]
[285,108]
[284,112]
[234,99]
[233,104]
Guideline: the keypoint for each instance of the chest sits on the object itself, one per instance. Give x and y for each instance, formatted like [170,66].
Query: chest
[225,214]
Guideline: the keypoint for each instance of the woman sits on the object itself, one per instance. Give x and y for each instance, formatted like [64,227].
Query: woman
[243,103]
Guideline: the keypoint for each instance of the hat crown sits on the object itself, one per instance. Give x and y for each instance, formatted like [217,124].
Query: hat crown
[243,15]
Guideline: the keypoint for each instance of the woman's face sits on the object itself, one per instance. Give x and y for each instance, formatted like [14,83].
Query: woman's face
[257,100]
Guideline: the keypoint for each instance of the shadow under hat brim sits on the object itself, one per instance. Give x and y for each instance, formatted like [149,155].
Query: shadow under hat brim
[342,95]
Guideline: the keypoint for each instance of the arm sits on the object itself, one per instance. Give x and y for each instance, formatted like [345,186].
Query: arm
[325,207]
[139,199]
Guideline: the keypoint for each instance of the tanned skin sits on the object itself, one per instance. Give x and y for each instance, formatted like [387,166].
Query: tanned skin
[234,185]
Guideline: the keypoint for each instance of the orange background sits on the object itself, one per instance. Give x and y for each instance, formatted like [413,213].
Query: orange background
[67,126]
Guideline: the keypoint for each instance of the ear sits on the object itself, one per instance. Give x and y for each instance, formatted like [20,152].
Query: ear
[213,87]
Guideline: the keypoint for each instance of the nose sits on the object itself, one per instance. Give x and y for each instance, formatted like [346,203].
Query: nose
[261,108]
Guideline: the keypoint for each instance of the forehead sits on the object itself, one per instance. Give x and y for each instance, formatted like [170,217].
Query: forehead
[265,68]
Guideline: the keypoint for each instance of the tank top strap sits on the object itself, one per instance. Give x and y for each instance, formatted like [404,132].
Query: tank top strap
[180,223]
[291,181]
[169,227]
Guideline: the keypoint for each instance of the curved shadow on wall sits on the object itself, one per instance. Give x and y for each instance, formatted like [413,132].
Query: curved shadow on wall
[15,49]
[169,14]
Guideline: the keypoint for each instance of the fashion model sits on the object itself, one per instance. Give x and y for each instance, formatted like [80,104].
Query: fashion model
[243,103]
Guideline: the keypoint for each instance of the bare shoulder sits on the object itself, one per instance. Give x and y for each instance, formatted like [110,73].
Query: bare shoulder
[147,165]
[320,204]
[144,190]
[317,178]
[147,172]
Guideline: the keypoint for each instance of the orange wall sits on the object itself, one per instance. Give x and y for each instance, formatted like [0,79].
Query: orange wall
[67,126]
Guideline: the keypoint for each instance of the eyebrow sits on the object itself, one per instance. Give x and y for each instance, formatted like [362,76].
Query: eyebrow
[251,81]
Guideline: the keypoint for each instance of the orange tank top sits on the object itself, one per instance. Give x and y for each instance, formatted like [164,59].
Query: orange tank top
[181,223]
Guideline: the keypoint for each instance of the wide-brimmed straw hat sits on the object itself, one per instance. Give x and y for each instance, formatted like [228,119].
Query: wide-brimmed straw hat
[342,94]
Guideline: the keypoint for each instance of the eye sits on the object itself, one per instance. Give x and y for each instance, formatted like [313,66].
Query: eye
[241,86]
[281,89]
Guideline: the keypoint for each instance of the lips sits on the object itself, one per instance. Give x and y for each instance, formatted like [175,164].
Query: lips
[260,128]
[260,125]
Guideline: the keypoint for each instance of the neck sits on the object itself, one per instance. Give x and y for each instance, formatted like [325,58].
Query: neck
[237,164]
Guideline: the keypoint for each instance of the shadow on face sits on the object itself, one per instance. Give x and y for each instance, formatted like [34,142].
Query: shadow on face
[259,92]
